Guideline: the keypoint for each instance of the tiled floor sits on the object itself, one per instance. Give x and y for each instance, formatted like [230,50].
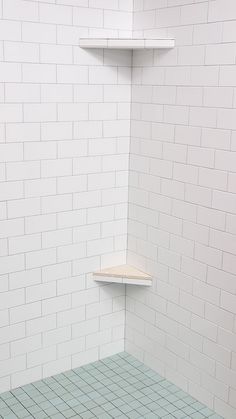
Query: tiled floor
[116,387]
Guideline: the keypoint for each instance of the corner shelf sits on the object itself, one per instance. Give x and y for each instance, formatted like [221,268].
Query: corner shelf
[115,43]
[123,274]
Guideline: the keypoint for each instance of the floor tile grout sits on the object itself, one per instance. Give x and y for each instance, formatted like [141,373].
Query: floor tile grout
[116,387]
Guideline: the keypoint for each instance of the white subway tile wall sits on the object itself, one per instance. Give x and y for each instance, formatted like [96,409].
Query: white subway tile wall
[64,146]
[182,202]
[70,177]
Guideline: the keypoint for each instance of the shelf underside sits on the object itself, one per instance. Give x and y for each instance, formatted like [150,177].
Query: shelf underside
[115,43]
[123,274]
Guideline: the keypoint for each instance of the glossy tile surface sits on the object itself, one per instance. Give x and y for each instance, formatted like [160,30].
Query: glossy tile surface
[116,387]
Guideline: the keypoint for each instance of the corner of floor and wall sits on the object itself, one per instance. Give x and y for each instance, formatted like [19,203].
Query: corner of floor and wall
[113,157]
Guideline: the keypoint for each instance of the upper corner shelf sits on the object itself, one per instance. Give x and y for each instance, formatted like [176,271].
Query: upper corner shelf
[123,274]
[115,43]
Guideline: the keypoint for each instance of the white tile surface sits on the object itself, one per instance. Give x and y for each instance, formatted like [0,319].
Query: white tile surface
[183,209]
[53,230]
[64,191]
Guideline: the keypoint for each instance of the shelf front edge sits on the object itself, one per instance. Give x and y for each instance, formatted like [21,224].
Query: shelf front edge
[164,43]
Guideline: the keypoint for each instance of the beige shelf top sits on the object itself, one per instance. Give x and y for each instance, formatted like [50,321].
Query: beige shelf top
[123,274]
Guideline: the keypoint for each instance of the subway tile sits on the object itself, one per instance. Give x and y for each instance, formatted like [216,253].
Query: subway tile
[66,137]
[25,243]
[10,30]
[57,14]
[38,32]
[39,73]
[40,258]
[88,17]
[21,52]
[24,207]
[25,312]
[19,10]
[20,93]
[217,11]
[22,132]
[58,54]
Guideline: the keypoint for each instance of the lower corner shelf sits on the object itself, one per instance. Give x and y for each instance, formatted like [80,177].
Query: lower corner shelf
[123,274]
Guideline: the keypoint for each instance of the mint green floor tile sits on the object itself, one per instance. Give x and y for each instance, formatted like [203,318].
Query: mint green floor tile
[206,411]
[118,402]
[137,394]
[69,413]
[97,410]
[164,392]
[154,397]
[197,405]
[151,416]
[57,416]
[133,414]
[80,409]
[72,402]
[105,416]
[28,403]
[160,412]
[189,411]
[143,410]
[125,408]
[21,413]
[51,411]
[62,407]
[117,387]
[171,398]
[34,409]
[198,415]
[145,400]
[108,406]
[128,398]
[178,414]
[135,404]
[162,402]
[186,398]
[83,399]
[115,413]
[170,408]
[40,415]
[87,415]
